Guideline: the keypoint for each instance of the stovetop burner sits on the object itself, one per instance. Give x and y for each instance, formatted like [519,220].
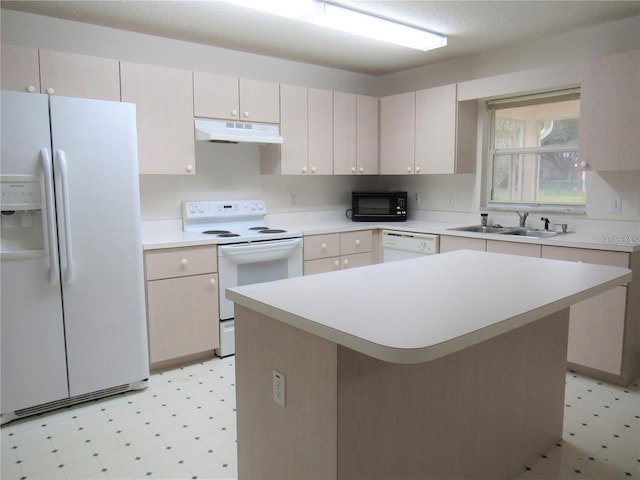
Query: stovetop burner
[228,234]
[272,230]
[216,232]
[259,228]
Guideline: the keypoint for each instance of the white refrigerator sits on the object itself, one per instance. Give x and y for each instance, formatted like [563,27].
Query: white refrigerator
[73,321]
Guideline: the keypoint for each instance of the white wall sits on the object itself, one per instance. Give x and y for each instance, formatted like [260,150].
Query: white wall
[232,171]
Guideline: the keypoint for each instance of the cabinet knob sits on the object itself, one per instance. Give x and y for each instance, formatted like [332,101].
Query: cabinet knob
[212,282]
[313,169]
[189,168]
[336,263]
[417,169]
[361,169]
[50,91]
[583,164]
[323,246]
[31,89]
[409,169]
[357,242]
[353,169]
[304,169]
[246,114]
[234,112]
[184,261]
[346,262]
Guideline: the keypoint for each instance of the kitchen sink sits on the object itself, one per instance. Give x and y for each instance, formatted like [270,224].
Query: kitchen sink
[481,229]
[532,233]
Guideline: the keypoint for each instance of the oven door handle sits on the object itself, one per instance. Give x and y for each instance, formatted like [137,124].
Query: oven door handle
[257,247]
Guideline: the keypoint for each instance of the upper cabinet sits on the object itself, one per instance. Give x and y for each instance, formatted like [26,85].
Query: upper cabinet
[427,131]
[20,69]
[60,73]
[355,134]
[232,98]
[164,105]
[306,126]
[610,112]
[397,134]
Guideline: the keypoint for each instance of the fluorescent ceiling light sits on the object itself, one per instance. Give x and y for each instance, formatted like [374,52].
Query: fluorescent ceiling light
[351,21]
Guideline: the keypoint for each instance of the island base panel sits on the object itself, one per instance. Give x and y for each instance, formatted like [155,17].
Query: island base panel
[482,412]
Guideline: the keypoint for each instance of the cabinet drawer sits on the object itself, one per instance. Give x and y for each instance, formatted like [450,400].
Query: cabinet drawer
[514,248]
[180,262]
[321,246]
[356,260]
[450,243]
[356,242]
[321,265]
[602,257]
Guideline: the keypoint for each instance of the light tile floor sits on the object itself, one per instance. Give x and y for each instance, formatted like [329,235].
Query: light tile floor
[183,427]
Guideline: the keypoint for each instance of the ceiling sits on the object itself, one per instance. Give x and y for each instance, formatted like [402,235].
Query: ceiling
[472,26]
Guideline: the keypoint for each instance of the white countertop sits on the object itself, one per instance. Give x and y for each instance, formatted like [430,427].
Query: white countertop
[168,234]
[421,309]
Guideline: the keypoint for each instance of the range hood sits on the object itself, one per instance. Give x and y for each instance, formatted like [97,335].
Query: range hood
[236,132]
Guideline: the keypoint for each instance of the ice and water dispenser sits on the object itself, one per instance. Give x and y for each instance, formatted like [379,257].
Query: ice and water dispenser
[22,204]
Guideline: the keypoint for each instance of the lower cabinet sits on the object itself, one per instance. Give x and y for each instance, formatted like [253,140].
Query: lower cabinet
[449,243]
[603,330]
[182,304]
[337,251]
[514,248]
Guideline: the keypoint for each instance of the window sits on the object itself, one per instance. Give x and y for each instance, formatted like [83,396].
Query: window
[534,151]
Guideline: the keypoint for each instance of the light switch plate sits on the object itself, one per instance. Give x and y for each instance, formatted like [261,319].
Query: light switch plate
[278,388]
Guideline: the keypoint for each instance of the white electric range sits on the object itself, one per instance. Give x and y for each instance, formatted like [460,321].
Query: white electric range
[248,251]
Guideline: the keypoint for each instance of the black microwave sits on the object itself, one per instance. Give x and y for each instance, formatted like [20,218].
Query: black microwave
[379,206]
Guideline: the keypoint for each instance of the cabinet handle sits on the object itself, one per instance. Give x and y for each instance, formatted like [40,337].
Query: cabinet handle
[409,169]
[212,281]
[336,263]
[357,242]
[189,168]
[353,169]
[184,261]
[417,169]
[323,246]
[361,169]
[583,164]
[246,114]
[313,169]
[50,91]
[31,89]
[234,113]
[346,262]
[304,169]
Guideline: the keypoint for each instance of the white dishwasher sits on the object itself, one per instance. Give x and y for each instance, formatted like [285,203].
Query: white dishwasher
[398,245]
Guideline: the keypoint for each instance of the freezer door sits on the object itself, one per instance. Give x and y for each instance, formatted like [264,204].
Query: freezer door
[96,172]
[32,350]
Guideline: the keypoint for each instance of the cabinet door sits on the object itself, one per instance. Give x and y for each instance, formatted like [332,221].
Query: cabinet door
[321,265]
[367,135]
[183,316]
[164,104]
[293,127]
[449,243]
[436,130]
[610,112]
[20,69]
[320,120]
[216,96]
[321,246]
[356,260]
[596,325]
[71,75]
[344,133]
[514,248]
[356,242]
[259,101]
[397,134]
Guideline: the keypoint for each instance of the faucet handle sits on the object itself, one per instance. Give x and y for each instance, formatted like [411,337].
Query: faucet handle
[563,226]
[546,222]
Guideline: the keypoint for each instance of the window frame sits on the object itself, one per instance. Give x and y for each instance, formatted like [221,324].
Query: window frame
[513,101]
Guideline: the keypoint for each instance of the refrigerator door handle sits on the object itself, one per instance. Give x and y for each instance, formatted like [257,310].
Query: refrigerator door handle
[52,239]
[61,166]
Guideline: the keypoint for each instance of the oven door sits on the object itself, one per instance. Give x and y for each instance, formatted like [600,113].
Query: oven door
[246,263]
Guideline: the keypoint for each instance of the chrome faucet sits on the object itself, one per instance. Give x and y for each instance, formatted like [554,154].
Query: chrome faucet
[523,218]
[546,223]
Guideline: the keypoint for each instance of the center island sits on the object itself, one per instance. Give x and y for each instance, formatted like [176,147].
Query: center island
[445,366]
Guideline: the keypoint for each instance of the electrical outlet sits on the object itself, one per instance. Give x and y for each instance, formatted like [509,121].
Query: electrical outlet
[278,387]
[451,201]
[292,198]
[616,204]
[418,199]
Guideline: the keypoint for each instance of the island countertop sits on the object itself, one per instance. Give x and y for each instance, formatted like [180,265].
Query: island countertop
[417,310]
